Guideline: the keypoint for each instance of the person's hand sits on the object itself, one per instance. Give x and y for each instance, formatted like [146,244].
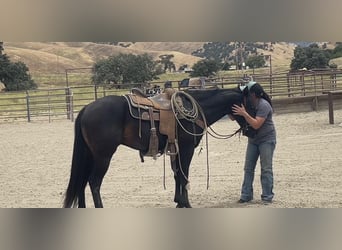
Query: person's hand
[237,110]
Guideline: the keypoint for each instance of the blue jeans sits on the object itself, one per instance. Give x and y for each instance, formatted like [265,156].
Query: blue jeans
[265,151]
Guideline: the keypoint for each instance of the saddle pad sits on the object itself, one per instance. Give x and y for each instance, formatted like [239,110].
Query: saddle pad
[140,111]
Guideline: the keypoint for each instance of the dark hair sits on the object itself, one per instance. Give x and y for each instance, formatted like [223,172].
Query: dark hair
[260,92]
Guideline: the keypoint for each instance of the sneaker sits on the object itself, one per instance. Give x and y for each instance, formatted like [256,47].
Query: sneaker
[243,201]
[266,202]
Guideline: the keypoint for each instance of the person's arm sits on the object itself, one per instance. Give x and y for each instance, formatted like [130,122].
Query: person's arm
[256,122]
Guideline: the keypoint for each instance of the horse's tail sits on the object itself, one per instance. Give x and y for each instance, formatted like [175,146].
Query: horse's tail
[80,167]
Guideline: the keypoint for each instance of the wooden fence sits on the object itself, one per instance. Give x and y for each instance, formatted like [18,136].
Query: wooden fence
[287,90]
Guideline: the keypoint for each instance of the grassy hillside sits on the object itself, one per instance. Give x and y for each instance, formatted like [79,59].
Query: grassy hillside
[337,61]
[183,47]
[58,56]
[48,61]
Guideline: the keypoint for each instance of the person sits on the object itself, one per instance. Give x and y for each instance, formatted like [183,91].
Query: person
[261,145]
[167,84]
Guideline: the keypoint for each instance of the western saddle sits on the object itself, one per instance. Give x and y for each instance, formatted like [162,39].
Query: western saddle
[155,108]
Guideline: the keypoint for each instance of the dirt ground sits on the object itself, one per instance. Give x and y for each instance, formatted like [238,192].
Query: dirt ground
[35,165]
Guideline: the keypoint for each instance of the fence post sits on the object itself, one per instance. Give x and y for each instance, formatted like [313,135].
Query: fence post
[316,97]
[95,92]
[302,83]
[67,101]
[72,107]
[334,81]
[49,105]
[28,106]
[322,82]
[331,107]
[271,76]
[104,91]
[288,85]
[271,85]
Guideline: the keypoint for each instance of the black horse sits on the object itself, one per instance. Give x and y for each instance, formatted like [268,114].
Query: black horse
[104,124]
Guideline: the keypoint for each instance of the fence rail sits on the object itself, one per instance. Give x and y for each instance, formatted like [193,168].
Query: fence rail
[51,104]
[63,103]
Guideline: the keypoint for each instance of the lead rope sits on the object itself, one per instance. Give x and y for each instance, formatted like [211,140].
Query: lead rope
[164,175]
[207,146]
[190,115]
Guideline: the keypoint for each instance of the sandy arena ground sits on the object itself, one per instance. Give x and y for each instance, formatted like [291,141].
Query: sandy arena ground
[35,164]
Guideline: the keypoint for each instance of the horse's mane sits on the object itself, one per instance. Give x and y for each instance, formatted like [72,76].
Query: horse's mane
[202,93]
[206,95]
[217,102]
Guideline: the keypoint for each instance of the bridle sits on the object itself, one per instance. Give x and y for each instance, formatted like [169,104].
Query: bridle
[216,135]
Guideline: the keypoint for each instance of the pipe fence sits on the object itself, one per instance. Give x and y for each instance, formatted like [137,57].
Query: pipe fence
[64,103]
[53,104]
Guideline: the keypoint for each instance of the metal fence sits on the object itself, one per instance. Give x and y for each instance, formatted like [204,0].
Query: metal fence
[52,104]
[36,105]
[296,84]
[63,103]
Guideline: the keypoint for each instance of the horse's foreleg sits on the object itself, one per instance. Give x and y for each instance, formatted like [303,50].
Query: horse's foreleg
[181,192]
[181,171]
[181,181]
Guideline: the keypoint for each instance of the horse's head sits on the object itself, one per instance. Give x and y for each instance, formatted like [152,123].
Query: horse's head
[246,129]
[247,102]
[240,98]
[217,102]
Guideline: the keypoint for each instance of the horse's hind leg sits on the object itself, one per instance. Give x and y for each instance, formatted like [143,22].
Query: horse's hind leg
[81,196]
[95,180]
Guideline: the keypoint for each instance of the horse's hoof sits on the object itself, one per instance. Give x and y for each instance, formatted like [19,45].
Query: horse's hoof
[183,206]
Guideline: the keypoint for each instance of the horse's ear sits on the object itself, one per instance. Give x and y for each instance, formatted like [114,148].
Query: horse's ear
[243,89]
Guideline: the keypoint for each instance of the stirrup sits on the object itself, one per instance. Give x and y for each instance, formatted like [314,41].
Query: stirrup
[172,149]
